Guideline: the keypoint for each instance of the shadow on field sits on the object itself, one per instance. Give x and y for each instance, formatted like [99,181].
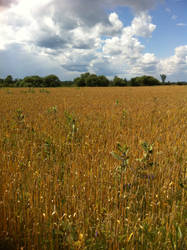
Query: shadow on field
[7,244]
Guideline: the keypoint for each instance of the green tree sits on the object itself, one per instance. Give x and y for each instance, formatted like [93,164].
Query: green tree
[134,82]
[80,82]
[163,78]
[117,81]
[32,81]
[51,81]
[91,80]
[102,81]
[144,81]
[1,82]
[8,81]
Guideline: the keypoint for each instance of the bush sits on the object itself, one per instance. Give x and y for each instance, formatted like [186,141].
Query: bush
[144,81]
[91,80]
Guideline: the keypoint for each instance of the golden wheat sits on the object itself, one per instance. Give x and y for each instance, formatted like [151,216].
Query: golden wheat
[61,188]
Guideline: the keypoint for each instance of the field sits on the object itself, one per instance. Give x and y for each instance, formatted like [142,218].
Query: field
[93,168]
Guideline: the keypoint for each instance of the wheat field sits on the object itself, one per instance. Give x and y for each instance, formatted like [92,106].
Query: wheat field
[93,168]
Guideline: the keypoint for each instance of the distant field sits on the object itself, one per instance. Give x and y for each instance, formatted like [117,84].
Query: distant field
[93,168]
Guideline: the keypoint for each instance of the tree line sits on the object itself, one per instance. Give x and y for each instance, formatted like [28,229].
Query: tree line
[85,80]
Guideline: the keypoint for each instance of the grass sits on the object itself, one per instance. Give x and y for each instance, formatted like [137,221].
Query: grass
[93,168]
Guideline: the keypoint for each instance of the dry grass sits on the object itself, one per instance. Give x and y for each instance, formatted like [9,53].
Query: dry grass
[61,188]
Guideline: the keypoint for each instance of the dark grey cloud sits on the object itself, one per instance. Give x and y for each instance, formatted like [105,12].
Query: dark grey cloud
[90,12]
[68,15]
[83,44]
[83,12]
[69,32]
[139,5]
[53,42]
[18,62]
[149,69]
[6,3]
[76,67]
[78,61]
[103,66]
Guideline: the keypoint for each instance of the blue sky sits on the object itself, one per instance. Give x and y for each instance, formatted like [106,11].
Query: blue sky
[169,34]
[112,37]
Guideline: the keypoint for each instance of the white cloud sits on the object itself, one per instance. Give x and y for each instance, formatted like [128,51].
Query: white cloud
[174,17]
[104,65]
[176,63]
[168,10]
[182,24]
[91,12]
[71,37]
[76,60]
[181,51]
[142,26]
[125,51]
[116,23]
[147,63]
[6,3]
[28,63]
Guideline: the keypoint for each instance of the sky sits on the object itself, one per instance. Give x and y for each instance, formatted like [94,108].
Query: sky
[124,38]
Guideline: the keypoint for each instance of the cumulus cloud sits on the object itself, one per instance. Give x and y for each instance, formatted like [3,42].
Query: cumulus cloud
[6,3]
[75,40]
[176,63]
[91,12]
[53,42]
[168,10]
[174,17]
[27,63]
[126,44]
[182,24]
[77,60]
[115,21]
[142,26]
[71,37]
[146,63]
